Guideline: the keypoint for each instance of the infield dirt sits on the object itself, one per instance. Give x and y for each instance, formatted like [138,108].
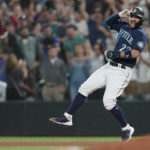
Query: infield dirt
[142,143]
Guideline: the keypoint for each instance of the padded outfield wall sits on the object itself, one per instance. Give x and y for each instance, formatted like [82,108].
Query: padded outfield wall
[26,118]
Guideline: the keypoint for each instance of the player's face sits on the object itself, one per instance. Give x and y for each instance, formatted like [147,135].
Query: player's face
[133,20]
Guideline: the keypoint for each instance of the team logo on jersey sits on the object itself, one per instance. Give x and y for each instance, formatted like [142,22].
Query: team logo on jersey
[140,44]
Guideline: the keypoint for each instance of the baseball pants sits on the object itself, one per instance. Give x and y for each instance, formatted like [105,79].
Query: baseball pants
[113,78]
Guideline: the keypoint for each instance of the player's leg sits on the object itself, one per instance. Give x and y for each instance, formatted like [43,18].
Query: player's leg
[116,83]
[94,82]
[73,91]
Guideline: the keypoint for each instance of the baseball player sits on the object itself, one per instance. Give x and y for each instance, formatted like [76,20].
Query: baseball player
[116,74]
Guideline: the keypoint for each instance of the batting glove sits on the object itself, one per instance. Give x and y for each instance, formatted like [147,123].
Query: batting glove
[124,13]
[112,54]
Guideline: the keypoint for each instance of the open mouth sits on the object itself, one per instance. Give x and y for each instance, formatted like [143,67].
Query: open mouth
[132,23]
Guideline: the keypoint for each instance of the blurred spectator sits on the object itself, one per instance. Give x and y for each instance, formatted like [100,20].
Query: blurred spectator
[78,70]
[132,88]
[111,41]
[90,6]
[61,29]
[61,34]
[80,17]
[53,71]
[13,16]
[50,5]
[88,51]
[144,4]
[41,2]
[97,59]
[4,52]
[48,38]
[107,7]
[31,10]
[97,29]
[16,88]
[9,40]
[144,73]
[71,41]
[3,84]
[64,7]
[132,3]
[22,21]
[29,85]
[53,20]
[2,22]
[37,31]
[148,6]
[25,4]
[38,9]
[30,48]
[111,7]
[147,29]
[9,27]
[81,24]
[16,8]
[42,17]
[96,4]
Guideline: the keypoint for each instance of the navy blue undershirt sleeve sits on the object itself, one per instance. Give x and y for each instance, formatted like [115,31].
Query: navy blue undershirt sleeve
[114,22]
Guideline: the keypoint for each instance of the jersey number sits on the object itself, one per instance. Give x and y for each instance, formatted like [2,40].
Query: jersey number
[124,46]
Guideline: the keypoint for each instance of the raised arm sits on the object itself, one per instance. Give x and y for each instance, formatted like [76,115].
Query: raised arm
[115,22]
[113,19]
[83,10]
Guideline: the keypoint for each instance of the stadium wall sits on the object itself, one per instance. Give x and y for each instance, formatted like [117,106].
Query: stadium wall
[31,119]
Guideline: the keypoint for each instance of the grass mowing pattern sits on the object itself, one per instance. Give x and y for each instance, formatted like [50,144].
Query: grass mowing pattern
[40,148]
[59,139]
[52,139]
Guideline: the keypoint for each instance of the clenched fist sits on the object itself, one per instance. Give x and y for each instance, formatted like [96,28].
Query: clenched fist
[124,13]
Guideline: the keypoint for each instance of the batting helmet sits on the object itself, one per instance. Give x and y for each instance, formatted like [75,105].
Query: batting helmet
[138,12]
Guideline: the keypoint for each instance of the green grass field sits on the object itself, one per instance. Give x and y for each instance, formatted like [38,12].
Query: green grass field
[53,140]
[58,139]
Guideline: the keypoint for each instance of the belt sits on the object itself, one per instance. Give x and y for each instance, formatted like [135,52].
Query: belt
[117,65]
[51,84]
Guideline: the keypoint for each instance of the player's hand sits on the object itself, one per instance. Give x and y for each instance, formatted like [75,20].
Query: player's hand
[112,54]
[124,13]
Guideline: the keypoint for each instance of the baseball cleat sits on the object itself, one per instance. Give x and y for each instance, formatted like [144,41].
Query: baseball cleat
[127,133]
[65,120]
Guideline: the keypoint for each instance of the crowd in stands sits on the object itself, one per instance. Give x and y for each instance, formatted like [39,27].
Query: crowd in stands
[48,48]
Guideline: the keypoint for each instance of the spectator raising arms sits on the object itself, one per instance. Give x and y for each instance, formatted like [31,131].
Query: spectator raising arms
[97,29]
